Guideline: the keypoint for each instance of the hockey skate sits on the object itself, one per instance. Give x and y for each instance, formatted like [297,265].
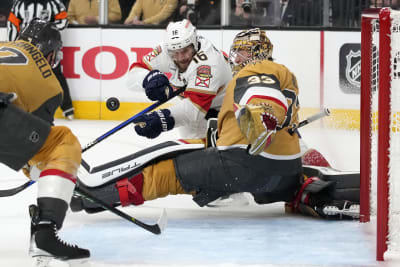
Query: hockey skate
[337,210]
[327,193]
[341,210]
[45,245]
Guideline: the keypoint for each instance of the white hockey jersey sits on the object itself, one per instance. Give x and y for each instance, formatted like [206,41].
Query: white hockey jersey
[205,81]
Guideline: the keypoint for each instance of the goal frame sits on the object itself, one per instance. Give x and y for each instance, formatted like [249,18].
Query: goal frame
[384,114]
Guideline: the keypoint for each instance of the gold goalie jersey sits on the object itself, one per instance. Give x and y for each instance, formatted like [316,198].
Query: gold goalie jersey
[24,71]
[265,83]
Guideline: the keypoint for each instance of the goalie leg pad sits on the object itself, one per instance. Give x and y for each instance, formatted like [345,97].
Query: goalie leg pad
[346,185]
[214,173]
[21,137]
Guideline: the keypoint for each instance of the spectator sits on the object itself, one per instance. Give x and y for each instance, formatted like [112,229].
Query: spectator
[126,7]
[199,12]
[22,12]
[347,13]
[156,12]
[87,11]
[251,12]
[303,12]
[5,7]
[240,17]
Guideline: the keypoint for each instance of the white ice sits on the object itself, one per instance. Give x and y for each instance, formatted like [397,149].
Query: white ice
[235,236]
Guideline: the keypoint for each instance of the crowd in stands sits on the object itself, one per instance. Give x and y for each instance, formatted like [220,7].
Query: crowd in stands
[342,13]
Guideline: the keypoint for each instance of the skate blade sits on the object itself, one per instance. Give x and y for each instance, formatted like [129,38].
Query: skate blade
[353,211]
[42,261]
[48,261]
[79,263]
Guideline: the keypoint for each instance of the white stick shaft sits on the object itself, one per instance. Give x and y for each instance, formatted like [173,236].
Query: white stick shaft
[321,114]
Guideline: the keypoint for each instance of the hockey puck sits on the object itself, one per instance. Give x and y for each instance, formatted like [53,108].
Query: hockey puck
[112,103]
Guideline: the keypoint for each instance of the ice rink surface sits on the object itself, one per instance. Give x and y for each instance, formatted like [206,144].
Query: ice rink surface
[253,235]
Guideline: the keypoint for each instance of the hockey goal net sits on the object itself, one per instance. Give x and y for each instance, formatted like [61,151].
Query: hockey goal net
[380,127]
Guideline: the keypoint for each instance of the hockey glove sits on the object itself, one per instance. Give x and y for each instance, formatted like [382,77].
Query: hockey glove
[156,86]
[7,98]
[258,124]
[152,124]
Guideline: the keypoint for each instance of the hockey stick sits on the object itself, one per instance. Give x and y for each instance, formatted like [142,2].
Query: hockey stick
[153,228]
[16,190]
[319,115]
[131,119]
[13,191]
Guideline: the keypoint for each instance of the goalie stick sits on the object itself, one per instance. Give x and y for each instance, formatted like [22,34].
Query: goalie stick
[16,190]
[319,115]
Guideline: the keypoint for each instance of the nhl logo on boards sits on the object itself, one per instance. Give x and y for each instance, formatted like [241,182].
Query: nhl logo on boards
[353,67]
[350,68]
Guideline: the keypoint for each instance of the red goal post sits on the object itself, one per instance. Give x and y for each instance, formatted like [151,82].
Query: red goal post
[380,127]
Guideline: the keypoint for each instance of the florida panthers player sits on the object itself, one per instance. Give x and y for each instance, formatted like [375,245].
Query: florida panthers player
[195,63]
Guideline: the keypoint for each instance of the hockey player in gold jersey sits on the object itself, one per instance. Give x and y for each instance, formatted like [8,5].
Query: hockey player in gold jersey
[30,93]
[257,149]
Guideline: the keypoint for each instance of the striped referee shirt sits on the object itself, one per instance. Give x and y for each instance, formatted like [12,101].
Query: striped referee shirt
[23,11]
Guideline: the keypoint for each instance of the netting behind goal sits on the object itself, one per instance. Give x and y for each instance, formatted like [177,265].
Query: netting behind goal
[380,127]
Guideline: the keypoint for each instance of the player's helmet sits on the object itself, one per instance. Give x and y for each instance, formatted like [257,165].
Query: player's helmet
[45,36]
[181,34]
[257,45]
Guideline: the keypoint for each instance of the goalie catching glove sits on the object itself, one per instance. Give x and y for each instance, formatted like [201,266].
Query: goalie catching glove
[156,86]
[258,124]
[151,125]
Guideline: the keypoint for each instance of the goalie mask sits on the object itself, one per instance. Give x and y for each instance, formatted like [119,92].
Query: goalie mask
[46,37]
[249,46]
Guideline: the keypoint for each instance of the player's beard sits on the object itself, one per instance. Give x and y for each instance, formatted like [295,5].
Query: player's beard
[183,64]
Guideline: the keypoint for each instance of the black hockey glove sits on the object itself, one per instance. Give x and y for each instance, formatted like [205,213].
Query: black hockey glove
[151,125]
[156,86]
[7,98]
